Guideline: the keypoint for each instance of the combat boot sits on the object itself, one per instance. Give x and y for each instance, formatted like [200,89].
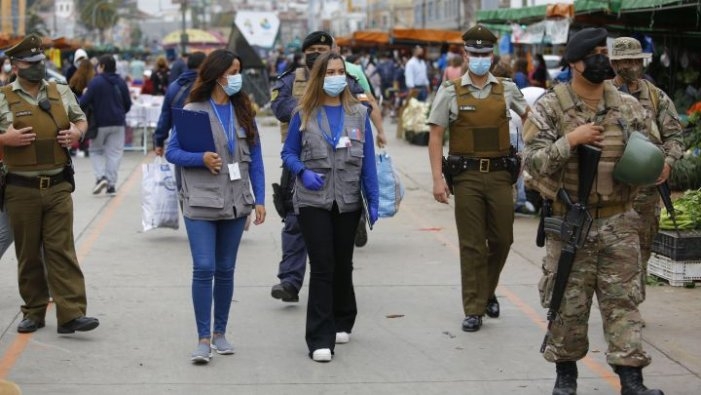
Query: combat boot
[632,381]
[566,382]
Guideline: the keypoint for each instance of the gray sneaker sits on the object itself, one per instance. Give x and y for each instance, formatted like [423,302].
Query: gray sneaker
[221,345]
[202,354]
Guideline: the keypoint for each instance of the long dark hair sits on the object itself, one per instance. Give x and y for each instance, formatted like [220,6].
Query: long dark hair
[214,65]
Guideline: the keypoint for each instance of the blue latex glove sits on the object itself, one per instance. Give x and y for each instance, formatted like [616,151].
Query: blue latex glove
[312,181]
[373,215]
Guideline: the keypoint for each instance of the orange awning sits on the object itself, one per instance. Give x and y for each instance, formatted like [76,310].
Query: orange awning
[428,35]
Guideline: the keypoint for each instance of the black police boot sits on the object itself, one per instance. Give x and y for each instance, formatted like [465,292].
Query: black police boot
[492,307]
[632,381]
[566,382]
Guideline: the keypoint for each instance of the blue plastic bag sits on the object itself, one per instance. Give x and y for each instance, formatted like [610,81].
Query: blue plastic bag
[391,188]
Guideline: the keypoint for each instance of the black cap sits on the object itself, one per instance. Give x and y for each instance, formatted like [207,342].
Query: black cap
[479,39]
[317,38]
[30,49]
[583,42]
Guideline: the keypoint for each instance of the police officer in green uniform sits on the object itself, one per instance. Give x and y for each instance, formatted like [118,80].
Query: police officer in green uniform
[590,112]
[39,121]
[476,108]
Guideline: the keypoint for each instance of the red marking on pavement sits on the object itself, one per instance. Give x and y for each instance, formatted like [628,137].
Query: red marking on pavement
[430,229]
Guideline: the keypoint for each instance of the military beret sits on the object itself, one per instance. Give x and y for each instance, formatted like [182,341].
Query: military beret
[479,39]
[317,38]
[30,49]
[583,42]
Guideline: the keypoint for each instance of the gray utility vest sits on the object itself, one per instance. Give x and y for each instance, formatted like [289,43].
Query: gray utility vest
[208,196]
[341,168]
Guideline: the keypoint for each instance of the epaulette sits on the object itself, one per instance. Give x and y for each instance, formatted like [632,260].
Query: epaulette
[448,83]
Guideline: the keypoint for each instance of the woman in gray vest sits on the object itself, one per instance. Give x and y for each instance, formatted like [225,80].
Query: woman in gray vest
[216,193]
[329,147]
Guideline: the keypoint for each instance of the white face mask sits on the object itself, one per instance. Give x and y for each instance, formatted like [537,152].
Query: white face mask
[6,67]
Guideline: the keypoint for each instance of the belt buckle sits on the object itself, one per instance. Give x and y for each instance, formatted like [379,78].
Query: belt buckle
[484,165]
[44,182]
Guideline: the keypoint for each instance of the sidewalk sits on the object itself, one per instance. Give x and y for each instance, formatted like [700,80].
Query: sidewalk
[407,338]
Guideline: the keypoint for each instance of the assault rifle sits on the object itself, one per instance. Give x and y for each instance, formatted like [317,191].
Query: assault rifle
[572,229]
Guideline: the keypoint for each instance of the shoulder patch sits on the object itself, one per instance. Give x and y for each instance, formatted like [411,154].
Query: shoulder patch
[274,94]
[448,83]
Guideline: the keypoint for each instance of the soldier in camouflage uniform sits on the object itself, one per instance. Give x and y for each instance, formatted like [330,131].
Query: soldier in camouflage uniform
[627,61]
[608,262]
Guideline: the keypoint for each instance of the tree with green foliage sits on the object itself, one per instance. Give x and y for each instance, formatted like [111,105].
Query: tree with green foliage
[98,15]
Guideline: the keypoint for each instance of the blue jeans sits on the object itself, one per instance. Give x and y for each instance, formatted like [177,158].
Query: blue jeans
[214,245]
[294,253]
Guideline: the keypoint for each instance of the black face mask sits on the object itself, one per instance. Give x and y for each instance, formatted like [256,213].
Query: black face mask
[310,58]
[597,69]
[34,73]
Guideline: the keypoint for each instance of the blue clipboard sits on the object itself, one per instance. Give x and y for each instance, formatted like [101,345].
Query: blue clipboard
[193,130]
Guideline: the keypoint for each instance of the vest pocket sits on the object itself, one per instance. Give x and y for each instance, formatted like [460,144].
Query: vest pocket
[203,191]
[21,156]
[350,187]
[245,153]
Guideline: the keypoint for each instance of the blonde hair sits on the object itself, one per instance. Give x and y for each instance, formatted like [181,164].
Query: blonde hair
[314,93]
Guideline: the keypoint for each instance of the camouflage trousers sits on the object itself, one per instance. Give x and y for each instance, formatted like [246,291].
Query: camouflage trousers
[608,265]
[648,208]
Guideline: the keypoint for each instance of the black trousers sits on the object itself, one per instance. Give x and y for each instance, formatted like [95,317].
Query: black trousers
[329,236]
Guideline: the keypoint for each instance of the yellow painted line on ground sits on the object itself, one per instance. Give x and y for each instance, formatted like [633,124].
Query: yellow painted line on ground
[599,369]
[18,345]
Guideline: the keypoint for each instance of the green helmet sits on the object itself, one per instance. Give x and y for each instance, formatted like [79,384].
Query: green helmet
[641,163]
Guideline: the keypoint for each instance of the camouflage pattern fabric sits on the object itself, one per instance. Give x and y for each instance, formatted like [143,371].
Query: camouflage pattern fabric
[609,262]
[608,266]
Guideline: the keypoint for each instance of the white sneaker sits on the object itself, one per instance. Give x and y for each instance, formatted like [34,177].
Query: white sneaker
[322,355]
[342,337]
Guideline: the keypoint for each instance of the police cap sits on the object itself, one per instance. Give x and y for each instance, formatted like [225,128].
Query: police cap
[30,49]
[478,39]
[583,42]
[317,38]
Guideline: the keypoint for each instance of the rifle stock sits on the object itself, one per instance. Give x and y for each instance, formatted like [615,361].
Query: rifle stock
[666,195]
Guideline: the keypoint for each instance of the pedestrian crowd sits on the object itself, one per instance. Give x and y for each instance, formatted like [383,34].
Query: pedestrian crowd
[597,221]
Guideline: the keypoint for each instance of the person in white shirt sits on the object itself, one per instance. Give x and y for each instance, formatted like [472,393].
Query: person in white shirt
[416,75]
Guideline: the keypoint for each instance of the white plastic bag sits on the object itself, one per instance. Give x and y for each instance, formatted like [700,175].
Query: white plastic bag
[159,194]
[391,188]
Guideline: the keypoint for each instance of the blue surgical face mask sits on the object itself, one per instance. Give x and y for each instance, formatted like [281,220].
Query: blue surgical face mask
[334,85]
[480,65]
[7,68]
[233,84]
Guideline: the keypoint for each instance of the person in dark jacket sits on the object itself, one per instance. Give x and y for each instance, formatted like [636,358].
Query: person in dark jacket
[109,96]
[177,92]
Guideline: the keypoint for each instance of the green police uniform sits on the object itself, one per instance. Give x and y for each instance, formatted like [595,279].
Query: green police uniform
[478,118]
[38,194]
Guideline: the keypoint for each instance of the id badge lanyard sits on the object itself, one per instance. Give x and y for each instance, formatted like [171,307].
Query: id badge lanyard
[229,132]
[335,133]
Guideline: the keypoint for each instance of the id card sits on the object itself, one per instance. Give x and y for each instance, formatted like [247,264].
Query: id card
[344,142]
[234,172]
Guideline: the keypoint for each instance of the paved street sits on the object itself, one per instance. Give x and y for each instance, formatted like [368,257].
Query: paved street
[407,338]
